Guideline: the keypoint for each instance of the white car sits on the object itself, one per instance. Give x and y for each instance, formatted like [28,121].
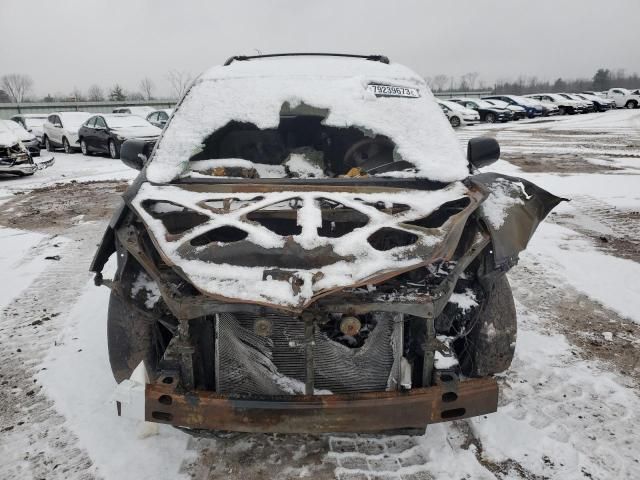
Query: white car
[61,130]
[517,111]
[28,139]
[159,118]
[459,115]
[32,123]
[138,111]
[624,98]
[565,105]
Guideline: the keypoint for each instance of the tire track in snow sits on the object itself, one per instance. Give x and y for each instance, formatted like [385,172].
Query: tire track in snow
[34,441]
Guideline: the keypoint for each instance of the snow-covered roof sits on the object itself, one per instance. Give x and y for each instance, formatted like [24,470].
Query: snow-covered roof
[255,91]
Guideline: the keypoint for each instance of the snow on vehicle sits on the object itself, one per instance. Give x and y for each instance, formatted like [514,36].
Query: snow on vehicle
[565,105]
[488,113]
[32,123]
[61,130]
[624,98]
[517,111]
[14,156]
[307,249]
[459,115]
[601,104]
[27,138]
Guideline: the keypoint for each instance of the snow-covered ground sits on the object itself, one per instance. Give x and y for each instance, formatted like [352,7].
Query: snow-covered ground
[569,403]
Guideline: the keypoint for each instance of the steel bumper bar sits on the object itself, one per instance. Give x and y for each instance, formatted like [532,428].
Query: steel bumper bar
[363,412]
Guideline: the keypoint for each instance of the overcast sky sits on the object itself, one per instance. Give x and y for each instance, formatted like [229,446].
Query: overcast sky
[65,44]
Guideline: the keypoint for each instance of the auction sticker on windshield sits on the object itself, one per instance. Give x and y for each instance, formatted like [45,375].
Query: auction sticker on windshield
[392,91]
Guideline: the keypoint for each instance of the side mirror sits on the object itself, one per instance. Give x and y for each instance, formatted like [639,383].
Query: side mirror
[483,151]
[134,153]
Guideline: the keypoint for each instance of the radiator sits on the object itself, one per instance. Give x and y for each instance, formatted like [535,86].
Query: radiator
[274,363]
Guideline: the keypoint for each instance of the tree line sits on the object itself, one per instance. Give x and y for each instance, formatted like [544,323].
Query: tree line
[603,79]
[17,88]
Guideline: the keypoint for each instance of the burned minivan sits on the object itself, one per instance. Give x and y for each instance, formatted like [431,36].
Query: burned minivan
[308,249]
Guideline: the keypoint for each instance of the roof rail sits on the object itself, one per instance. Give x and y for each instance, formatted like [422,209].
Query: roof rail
[373,58]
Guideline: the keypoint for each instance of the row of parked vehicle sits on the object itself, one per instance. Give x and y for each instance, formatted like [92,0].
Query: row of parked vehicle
[504,108]
[87,132]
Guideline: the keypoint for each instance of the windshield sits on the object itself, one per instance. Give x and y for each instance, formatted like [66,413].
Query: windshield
[13,126]
[452,105]
[483,103]
[303,126]
[34,122]
[126,122]
[73,119]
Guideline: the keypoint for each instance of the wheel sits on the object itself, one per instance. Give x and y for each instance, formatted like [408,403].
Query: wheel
[455,121]
[562,111]
[489,347]
[113,150]
[631,104]
[83,147]
[490,118]
[131,334]
[47,144]
[66,146]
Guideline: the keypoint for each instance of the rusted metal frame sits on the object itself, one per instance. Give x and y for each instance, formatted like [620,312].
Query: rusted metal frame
[429,352]
[363,412]
[309,381]
[179,353]
[443,251]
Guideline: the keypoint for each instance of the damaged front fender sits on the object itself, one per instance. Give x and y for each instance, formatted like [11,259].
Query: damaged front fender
[512,212]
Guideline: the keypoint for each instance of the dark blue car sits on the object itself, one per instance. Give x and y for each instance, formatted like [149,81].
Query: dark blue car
[532,108]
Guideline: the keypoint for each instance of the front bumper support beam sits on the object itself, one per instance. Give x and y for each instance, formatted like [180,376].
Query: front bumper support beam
[362,412]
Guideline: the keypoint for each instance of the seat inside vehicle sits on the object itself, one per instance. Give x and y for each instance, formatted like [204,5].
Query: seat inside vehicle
[304,146]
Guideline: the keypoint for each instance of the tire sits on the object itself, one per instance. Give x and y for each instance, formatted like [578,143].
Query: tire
[455,121]
[490,118]
[47,145]
[83,147]
[113,150]
[631,104]
[66,146]
[489,347]
[130,337]
[562,111]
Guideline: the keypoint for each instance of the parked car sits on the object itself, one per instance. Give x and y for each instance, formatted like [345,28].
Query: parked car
[140,111]
[61,130]
[488,113]
[624,98]
[565,105]
[285,266]
[459,115]
[587,105]
[105,133]
[601,104]
[32,122]
[28,139]
[14,156]
[531,108]
[517,111]
[159,118]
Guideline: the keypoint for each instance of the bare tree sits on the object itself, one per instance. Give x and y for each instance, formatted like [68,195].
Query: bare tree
[95,94]
[17,86]
[147,87]
[439,81]
[179,81]
[136,96]
[77,95]
[469,79]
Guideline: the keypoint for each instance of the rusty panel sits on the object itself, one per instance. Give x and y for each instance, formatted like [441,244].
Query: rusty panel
[365,412]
